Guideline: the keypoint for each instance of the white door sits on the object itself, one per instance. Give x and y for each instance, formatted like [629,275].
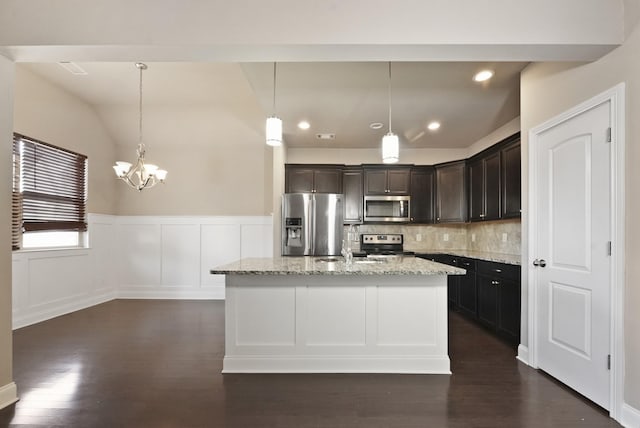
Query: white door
[573,234]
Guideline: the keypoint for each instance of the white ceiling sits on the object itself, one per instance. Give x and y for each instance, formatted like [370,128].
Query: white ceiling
[197,100]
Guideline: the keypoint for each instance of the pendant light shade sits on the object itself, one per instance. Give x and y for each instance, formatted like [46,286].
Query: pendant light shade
[274,131]
[390,148]
[274,124]
[390,143]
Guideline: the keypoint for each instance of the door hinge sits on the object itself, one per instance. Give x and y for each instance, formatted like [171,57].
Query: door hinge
[609,248]
[609,362]
[609,135]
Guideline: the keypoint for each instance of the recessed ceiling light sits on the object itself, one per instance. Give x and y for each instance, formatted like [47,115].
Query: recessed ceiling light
[376,125]
[304,124]
[433,126]
[483,75]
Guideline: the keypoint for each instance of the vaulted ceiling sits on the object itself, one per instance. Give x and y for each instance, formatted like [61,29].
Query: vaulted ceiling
[196,100]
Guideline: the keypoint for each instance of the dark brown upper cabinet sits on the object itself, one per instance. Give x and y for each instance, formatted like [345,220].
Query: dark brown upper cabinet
[352,189]
[422,194]
[484,187]
[451,192]
[511,176]
[387,181]
[313,179]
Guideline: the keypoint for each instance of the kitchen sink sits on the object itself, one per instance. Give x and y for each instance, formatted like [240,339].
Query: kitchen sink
[329,259]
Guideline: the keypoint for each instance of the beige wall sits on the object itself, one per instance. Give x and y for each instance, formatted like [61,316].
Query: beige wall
[6,131]
[44,111]
[203,180]
[549,89]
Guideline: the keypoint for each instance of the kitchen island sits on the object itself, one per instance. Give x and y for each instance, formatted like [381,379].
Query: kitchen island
[320,315]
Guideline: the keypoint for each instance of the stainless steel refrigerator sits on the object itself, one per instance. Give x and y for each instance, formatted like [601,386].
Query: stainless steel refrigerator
[312,224]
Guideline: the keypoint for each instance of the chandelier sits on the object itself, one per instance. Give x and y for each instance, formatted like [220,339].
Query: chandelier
[390,145]
[141,175]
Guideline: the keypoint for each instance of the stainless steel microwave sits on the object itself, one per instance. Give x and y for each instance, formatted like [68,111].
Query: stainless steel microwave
[395,209]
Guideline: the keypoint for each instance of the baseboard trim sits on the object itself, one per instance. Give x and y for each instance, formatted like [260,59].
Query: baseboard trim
[25,317]
[213,293]
[630,417]
[8,395]
[352,364]
[523,354]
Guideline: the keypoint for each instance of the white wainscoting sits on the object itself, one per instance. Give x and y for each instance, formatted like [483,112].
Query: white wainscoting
[170,257]
[50,283]
[148,257]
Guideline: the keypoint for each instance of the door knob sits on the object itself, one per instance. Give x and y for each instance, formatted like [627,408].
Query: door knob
[541,262]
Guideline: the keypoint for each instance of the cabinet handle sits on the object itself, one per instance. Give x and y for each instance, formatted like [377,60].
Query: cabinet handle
[411,218]
[497,270]
[495,282]
[467,264]
[481,215]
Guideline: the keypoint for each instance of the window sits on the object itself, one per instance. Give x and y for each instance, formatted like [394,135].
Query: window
[49,194]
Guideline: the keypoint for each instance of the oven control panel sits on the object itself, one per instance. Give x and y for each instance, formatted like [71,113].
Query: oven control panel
[372,238]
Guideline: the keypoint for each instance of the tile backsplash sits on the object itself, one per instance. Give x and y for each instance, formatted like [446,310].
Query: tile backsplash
[503,236]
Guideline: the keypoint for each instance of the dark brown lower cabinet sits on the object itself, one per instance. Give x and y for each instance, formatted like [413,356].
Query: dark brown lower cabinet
[467,287]
[488,293]
[499,299]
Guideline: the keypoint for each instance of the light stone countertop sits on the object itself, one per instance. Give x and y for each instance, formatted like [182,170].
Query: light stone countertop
[406,265]
[510,259]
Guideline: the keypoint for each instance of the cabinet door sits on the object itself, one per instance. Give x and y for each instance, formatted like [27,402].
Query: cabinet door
[451,195]
[509,310]
[467,288]
[487,301]
[375,181]
[299,180]
[511,176]
[352,189]
[492,187]
[398,181]
[422,195]
[476,190]
[327,180]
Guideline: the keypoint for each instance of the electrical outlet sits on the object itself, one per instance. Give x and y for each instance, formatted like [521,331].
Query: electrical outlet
[418,237]
[473,237]
[445,237]
[504,237]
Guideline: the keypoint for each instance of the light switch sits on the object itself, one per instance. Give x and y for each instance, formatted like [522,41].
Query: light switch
[504,237]
[418,237]
[445,237]
[473,237]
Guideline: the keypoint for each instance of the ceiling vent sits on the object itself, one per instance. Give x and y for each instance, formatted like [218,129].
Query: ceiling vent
[326,136]
[73,68]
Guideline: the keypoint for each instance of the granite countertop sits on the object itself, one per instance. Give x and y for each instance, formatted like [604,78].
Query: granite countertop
[406,265]
[510,259]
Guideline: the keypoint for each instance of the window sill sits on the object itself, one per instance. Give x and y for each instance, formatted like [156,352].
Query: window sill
[40,250]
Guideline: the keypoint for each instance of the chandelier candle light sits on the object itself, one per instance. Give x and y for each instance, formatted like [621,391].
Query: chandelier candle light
[141,175]
[390,144]
[274,123]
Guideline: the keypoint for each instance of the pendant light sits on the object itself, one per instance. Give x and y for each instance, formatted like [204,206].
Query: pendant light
[141,175]
[390,144]
[274,123]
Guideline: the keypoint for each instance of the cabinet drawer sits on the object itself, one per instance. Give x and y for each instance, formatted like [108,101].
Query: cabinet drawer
[500,270]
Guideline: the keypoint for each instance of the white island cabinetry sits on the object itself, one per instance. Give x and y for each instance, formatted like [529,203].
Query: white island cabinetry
[303,315]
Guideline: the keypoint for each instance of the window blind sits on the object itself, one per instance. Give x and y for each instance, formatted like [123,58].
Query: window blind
[16,200]
[53,186]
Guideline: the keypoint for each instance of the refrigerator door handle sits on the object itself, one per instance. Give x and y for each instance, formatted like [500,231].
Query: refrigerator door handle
[312,221]
[308,232]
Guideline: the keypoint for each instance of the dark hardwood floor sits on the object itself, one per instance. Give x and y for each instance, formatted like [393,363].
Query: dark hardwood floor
[143,363]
